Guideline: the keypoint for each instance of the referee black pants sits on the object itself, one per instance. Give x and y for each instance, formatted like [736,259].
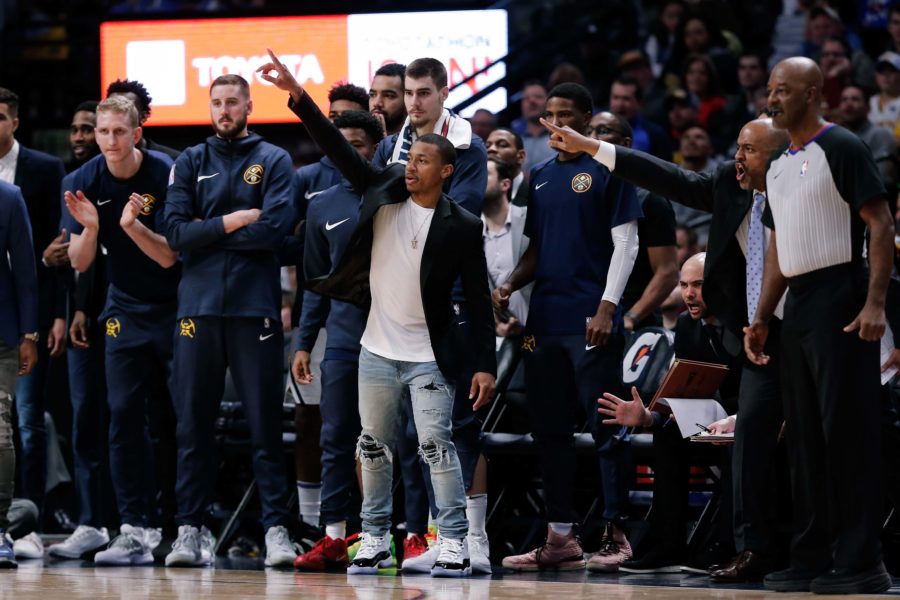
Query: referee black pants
[830,383]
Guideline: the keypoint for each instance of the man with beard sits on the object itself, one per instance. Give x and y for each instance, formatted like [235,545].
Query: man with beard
[386,97]
[228,212]
[81,135]
[735,195]
[506,145]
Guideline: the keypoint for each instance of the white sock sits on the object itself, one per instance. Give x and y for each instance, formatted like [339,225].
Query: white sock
[561,528]
[336,531]
[310,496]
[476,513]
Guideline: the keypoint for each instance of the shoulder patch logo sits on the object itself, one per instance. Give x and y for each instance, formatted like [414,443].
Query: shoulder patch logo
[188,329]
[113,327]
[581,183]
[149,204]
[253,174]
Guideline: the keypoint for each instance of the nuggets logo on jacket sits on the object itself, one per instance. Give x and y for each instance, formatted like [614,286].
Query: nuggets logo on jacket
[113,327]
[149,204]
[581,182]
[188,329]
[253,174]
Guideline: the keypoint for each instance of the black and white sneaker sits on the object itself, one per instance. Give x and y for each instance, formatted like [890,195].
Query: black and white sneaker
[374,553]
[453,559]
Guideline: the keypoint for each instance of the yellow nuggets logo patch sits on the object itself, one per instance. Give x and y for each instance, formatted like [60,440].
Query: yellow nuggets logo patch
[149,204]
[188,329]
[581,183]
[113,327]
[528,343]
[253,174]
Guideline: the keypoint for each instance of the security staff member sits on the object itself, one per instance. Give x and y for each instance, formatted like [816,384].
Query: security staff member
[117,199]
[229,211]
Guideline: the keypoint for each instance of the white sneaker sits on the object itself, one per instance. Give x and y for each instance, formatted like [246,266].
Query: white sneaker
[84,539]
[193,548]
[424,562]
[280,550]
[29,546]
[374,553]
[480,555]
[453,559]
[133,546]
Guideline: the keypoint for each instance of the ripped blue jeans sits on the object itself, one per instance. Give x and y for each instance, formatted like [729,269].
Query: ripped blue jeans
[383,385]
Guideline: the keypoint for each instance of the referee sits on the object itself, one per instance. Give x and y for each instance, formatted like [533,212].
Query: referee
[823,193]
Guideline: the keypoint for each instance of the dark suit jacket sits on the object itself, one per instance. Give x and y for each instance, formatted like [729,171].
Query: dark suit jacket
[39,176]
[454,248]
[725,280]
[18,279]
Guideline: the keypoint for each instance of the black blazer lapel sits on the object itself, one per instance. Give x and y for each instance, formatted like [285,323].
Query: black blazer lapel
[22,176]
[434,243]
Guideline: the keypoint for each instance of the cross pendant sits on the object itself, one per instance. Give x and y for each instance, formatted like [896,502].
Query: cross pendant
[414,244]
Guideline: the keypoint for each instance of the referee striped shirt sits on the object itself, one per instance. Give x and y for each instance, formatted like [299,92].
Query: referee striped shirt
[815,193]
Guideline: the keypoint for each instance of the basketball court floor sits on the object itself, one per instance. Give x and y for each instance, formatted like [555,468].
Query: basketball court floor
[41,580]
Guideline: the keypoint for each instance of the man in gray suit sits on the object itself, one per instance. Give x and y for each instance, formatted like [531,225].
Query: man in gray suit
[504,243]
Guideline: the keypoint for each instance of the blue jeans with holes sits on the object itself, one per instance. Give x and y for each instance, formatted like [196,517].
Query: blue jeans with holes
[385,384]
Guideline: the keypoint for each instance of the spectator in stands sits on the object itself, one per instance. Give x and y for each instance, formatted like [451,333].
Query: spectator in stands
[893,27]
[625,100]
[661,41]
[699,35]
[580,221]
[634,64]
[655,270]
[506,145]
[686,243]
[697,152]
[682,114]
[534,136]
[483,123]
[565,72]
[19,334]
[386,97]
[834,60]
[38,175]
[884,107]
[699,336]
[137,93]
[881,142]
[700,79]
[504,244]
[345,96]
[824,24]
[745,104]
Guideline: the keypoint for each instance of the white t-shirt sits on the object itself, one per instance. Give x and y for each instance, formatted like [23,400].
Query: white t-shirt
[396,328]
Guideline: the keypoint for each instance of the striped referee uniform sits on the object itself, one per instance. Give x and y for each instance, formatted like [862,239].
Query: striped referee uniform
[830,379]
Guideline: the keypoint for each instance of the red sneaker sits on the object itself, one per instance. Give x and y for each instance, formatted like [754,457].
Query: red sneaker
[326,554]
[414,546]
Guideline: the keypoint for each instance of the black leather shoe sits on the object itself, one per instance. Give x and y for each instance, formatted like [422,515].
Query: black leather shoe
[746,566]
[659,559]
[794,579]
[853,581]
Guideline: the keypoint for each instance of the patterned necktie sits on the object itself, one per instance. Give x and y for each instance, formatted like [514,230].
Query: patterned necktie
[756,248]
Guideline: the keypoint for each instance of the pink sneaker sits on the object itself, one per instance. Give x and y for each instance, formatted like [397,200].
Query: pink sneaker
[559,552]
[614,550]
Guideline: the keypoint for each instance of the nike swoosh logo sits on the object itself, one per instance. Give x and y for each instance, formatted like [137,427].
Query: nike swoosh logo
[99,203]
[263,338]
[309,195]
[202,177]
[330,226]
[589,347]
[540,185]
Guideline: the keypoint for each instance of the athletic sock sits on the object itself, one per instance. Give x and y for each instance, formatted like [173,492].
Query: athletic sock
[336,531]
[476,513]
[561,528]
[310,496]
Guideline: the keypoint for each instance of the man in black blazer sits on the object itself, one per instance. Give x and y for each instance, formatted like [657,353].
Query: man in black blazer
[410,245]
[39,176]
[735,195]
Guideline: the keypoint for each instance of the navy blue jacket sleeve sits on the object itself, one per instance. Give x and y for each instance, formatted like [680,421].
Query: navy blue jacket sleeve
[24,267]
[383,151]
[182,232]
[277,218]
[470,177]
[312,319]
[356,169]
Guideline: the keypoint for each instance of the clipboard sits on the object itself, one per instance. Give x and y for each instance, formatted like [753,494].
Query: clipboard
[688,379]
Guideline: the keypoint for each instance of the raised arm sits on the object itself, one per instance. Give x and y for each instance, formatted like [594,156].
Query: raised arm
[83,244]
[352,166]
[151,243]
[639,168]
